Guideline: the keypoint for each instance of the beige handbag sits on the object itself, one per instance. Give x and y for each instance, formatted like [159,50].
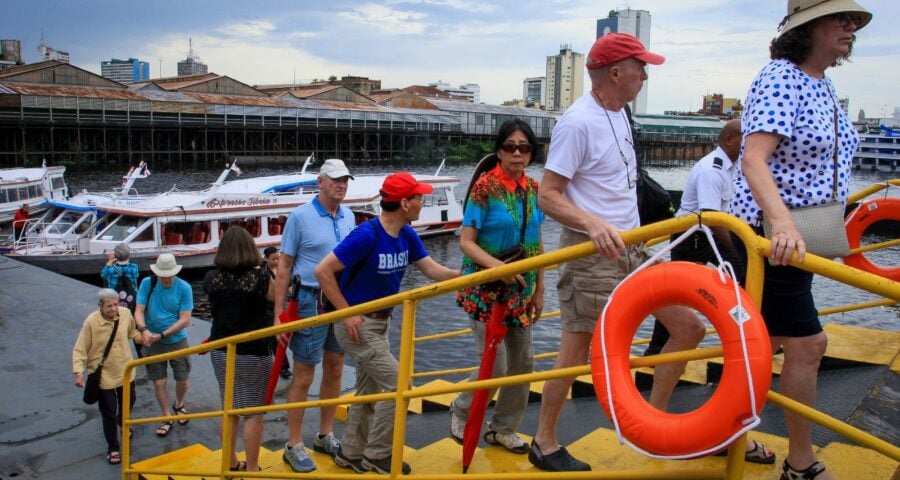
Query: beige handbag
[821,226]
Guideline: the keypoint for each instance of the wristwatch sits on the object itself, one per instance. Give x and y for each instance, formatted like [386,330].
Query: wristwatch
[142,328]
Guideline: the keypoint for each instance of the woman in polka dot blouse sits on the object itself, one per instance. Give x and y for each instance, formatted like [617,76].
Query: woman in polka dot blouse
[787,161]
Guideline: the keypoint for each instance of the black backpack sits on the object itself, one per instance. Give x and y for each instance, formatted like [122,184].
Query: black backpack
[127,292]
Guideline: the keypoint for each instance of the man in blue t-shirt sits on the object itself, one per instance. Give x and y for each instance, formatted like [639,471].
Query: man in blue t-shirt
[311,232]
[372,261]
[162,315]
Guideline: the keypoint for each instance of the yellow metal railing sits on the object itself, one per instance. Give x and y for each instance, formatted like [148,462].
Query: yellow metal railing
[757,248]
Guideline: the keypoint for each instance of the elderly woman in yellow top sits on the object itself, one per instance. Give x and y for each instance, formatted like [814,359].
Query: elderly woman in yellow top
[95,333]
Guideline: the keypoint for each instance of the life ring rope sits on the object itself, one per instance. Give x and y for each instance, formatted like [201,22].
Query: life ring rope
[738,314]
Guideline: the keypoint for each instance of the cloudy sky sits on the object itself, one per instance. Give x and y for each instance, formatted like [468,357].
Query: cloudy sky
[712,46]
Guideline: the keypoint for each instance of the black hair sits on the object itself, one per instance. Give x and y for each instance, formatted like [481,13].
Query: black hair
[389,206]
[269,251]
[511,126]
[796,45]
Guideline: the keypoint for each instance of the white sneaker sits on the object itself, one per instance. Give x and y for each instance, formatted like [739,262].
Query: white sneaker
[510,441]
[457,428]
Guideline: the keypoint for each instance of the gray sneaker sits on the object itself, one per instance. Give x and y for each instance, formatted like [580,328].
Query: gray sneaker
[298,459]
[347,462]
[383,465]
[326,444]
[457,428]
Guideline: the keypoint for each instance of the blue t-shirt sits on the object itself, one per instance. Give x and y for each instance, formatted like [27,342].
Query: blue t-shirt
[375,262]
[784,100]
[311,233]
[165,305]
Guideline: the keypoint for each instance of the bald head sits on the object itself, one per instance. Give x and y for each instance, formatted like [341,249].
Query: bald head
[730,138]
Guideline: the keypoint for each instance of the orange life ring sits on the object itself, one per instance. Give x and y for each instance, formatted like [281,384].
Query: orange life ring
[724,414]
[857,223]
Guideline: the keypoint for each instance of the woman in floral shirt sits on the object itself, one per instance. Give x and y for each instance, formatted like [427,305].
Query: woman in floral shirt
[502,197]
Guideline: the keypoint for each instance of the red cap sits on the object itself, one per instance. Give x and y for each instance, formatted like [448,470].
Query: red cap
[615,47]
[402,185]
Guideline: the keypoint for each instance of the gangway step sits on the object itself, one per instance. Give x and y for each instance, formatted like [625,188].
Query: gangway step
[167,458]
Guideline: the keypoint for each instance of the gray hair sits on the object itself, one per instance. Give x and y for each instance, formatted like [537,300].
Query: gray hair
[106,294]
[122,252]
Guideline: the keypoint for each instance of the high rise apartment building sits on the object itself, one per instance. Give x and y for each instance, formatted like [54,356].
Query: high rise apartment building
[632,22]
[192,64]
[534,90]
[125,71]
[565,78]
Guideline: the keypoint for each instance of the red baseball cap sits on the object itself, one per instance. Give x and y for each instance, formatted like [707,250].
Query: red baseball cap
[402,185]
[615,47]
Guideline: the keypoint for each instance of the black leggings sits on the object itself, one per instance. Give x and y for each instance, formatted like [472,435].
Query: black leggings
[110,406]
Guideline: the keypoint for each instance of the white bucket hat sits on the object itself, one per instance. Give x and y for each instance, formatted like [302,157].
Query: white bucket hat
[165,266]
[805,11]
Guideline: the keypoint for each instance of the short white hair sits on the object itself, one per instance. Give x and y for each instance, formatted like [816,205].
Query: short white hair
[106,294]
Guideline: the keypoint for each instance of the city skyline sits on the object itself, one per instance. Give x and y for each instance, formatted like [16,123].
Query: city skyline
[711,46]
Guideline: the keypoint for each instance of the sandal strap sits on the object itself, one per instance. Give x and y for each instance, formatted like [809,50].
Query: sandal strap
[809,473]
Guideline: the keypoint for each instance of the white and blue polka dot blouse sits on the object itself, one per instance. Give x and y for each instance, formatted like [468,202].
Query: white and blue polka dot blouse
[800,109]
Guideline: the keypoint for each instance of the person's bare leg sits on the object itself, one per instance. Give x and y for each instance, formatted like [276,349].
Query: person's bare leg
[161,392]
[235,425]
[685,332]
[181,389]
[799,376]
[573,350]
[253,431]
[298,391]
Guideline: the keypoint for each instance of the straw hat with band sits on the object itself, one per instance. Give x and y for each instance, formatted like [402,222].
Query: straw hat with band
[800,12]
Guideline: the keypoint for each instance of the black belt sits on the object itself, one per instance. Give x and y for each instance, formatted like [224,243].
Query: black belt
[380,315]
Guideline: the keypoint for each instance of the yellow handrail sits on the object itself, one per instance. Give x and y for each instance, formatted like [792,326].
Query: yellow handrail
[757,248]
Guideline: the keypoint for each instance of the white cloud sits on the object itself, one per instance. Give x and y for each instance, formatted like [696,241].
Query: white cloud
[256,28]
[387,20]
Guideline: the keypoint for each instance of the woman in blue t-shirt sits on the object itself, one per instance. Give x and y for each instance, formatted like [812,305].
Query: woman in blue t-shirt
[791,159]
[501,215]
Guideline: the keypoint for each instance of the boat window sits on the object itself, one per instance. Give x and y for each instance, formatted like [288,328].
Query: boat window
[438,197]
[251,224]
[57,183]
[122,227]
[64,222]
[276,224]
[34,191]
[13,194]
[186,233]
[3,197]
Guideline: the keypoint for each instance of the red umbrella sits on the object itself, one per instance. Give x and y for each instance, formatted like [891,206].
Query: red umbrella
[494,333]
[289,314]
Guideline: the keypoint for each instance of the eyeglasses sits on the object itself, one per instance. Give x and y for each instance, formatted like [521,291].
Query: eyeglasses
[510,147]
[844,19]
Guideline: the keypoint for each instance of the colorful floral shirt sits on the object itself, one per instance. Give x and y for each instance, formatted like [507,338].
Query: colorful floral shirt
[494,208]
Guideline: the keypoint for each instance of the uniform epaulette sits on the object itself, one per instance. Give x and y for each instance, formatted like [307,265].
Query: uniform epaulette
[718,163]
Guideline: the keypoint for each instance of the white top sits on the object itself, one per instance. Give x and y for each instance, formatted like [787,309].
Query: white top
[786,101]
[709,185]
[583,148]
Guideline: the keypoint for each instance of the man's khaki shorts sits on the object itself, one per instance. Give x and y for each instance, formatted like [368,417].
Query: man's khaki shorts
[585,284]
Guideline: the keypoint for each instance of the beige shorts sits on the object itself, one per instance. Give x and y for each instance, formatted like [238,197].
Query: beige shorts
[585,284]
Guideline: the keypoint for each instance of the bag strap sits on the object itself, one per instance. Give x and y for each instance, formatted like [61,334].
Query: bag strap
[524,198]
[109,343]
[837,145]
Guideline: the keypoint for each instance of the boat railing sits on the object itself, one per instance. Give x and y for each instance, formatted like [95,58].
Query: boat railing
[757,247]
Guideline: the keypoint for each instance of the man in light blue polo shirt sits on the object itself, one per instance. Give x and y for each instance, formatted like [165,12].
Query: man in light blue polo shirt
[311,233]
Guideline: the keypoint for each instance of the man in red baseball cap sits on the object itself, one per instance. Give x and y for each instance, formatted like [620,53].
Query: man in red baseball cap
[372,261]
[589,186]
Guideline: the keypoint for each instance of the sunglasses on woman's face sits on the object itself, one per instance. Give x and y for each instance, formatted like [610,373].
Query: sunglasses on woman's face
[510,147]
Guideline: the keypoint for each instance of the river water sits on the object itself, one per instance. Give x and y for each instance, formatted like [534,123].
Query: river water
[441,314]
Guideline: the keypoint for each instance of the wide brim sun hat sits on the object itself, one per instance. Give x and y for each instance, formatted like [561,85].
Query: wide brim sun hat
[800,12]
[165,266]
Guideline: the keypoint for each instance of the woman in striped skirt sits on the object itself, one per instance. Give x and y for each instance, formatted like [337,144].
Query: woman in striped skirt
[238,290]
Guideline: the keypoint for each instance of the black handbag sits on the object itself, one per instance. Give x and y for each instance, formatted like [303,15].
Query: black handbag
[92,385]
[654,201]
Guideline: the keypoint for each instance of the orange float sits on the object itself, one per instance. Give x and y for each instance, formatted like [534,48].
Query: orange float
[856,224]
[728,410]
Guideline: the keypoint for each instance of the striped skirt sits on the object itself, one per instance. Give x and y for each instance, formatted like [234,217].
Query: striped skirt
[251,377]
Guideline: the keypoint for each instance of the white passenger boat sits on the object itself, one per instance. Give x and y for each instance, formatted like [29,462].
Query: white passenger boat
[190,224]
[878,150]
[34,186]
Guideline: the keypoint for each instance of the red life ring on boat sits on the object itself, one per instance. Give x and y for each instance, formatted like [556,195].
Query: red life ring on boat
[724,414]
[857,223]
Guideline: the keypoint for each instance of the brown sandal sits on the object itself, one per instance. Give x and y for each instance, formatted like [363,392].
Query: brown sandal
[164,428]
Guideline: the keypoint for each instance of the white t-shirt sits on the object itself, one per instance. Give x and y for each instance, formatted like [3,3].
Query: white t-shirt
[709,185]
[587,151]
[786,101]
